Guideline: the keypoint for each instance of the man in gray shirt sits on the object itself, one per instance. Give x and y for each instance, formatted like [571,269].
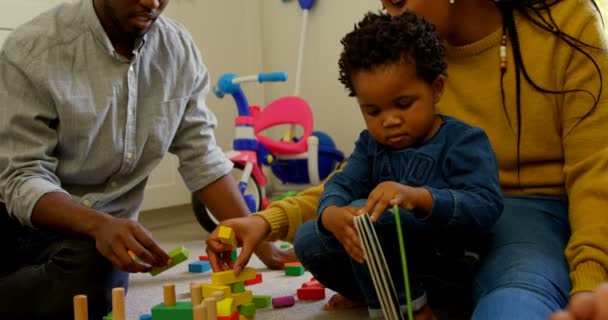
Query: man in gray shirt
[92,95]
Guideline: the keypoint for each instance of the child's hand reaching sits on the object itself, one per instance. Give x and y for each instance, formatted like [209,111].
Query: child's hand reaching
[339,221]
[390,193]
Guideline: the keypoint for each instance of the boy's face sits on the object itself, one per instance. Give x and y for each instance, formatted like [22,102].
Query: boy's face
[434,11]
[131,17]
[397,106]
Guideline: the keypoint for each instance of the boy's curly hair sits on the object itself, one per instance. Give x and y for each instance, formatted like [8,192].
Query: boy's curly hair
[380,39]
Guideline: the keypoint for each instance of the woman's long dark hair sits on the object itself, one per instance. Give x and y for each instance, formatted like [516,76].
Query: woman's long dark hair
[539,13]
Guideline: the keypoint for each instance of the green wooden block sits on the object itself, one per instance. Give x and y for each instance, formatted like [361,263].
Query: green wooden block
[294,270]
[237,287]
[285,246]
[261,301]
[233,255]
[109,316]
[178,255]
[247,309]
[182,310]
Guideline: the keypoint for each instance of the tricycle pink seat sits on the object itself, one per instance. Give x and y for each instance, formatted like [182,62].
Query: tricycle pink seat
[287,110]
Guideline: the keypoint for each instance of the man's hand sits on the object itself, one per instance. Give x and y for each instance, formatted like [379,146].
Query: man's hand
[115,237]
[586,306]
[339,221]
[250,231]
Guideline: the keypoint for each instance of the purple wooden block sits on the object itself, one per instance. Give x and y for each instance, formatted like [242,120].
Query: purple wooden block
[283,302]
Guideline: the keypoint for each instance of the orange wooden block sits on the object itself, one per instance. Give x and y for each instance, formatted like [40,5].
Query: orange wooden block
[295,263]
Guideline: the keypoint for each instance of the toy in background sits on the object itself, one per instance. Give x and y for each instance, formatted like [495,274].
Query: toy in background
[294,159]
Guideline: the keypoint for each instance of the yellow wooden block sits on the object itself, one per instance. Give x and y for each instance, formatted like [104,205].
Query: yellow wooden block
[228,277]
[226,307]
[243,297]
[208,290]
[227,236]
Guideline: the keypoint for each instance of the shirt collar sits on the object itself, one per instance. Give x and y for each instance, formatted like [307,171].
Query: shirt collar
[91,19]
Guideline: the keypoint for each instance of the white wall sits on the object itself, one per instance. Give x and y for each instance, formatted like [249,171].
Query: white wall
[328,21]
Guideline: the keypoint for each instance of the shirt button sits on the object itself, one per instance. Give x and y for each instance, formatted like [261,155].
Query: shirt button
[113,184]
[86,202]
[129,155]
[131,69]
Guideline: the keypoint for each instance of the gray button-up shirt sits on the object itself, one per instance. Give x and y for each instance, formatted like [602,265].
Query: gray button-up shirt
[76,117]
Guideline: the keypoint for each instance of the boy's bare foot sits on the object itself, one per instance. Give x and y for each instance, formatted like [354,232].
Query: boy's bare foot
[274,257]
[586,306]
[426,313]
[340,302]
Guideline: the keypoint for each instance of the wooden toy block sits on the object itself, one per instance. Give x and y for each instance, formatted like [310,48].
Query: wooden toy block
[285,246]
[118,304]
[81,309]
[182,310]
[168,294]
[145,317]
[227,236]
[243,297]
[199,312]
[226,307]
[196,294]
[261,301]
[178,255]
[247,309]
[294,270]
[258,279]
[203,258]
[311,293]
[209,289]
[313,283]
[237,287]
[211,306]
[283,302]
[233,316]
[199,266]
[108,317]
[228,277]
[233,255]
[293,263]
[242,317]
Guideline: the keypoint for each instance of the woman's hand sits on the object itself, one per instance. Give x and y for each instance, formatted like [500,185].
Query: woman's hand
[339,221]
[250,232]
[586,306]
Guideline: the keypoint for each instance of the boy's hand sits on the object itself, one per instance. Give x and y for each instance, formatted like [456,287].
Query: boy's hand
[339,221]
[249,231]
[390,193]
[115,237]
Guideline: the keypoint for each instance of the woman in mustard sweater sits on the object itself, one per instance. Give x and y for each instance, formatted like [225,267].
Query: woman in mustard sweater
[529,72]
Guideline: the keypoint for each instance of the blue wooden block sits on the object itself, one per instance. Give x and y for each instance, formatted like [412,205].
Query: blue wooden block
[199,266]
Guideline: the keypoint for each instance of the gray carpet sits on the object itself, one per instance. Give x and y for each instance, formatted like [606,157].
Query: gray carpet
[176,226]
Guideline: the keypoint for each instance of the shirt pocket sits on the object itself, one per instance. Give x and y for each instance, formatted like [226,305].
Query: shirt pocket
[163,123]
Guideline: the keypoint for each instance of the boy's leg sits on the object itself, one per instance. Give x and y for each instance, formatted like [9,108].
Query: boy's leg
[326,259]
[43,271]
[525,274]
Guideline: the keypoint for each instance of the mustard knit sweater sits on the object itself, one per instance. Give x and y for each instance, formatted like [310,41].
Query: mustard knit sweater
[560,153]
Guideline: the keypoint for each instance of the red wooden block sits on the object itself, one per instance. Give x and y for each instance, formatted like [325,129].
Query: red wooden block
[203,258]
[234,316]
[311,293]
[258,279]
[283,302]
[313,283]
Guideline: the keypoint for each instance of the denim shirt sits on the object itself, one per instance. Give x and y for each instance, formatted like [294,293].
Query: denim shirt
[457,165]
[77,117]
